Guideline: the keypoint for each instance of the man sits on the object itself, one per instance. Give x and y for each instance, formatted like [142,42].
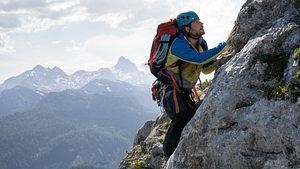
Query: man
[187,58]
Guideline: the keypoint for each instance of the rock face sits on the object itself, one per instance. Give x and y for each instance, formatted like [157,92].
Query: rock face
[250,117]
[147,150]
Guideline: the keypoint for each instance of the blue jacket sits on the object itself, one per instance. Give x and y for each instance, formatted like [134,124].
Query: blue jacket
[195,60]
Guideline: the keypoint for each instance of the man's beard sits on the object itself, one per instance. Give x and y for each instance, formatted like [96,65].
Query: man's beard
[196,35]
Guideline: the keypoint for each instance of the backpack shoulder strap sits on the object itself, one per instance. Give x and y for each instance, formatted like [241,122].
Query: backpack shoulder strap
[203,44]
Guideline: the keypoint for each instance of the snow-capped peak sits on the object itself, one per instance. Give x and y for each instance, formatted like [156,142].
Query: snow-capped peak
[55,79]
[39,68]
[125,66]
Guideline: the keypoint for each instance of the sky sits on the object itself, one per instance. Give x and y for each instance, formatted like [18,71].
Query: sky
[91,34]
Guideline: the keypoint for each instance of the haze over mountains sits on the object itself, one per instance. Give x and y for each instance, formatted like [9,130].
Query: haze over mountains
[55,79]
[52,120]
[23,91]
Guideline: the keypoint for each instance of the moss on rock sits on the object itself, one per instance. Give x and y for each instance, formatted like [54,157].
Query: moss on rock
[138,164]
[297,57]
[296,4]
[276,66]
[148,153]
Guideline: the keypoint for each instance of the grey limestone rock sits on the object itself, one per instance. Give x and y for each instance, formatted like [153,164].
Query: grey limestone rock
[250,116]
[244,122]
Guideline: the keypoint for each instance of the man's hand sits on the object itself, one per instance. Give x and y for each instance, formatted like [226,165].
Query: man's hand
[226,55]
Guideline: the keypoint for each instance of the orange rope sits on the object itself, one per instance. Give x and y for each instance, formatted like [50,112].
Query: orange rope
[176,89]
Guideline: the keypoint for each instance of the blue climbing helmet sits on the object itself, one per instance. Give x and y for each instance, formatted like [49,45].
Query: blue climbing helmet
[186,18]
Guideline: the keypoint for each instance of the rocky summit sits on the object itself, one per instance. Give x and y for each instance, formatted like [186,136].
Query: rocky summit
[250,116]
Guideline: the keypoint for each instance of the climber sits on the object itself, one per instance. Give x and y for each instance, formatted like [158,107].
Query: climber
[190,54]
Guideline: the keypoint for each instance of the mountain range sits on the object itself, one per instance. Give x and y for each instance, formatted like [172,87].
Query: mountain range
[51,120]
[55,79]
[24,91]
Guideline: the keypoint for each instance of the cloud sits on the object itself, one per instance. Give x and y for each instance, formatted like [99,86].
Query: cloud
[36,15]
[61,5]
[109,47]
[9,21]
[133,12]
[107,29]
[127,16]
[5,44]
[50,19]
[12,5]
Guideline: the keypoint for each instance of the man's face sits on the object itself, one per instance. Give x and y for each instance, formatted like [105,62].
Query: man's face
[197,28]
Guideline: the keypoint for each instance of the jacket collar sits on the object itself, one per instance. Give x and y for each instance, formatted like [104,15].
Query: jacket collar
[181,36]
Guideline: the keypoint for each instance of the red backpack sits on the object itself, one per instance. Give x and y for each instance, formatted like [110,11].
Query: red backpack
[166,32]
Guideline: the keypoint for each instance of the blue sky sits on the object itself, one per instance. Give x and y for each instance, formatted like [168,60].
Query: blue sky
[90,34]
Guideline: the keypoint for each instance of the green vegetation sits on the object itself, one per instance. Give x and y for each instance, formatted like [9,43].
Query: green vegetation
[297,55]
[138,164]
[36,137]
[204,85]
[137,158]
[274,72]
[136,150]
[85,167]
[162,128]
[288,91]
[297,4]
[280,91]
[298,74]
[276,66]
